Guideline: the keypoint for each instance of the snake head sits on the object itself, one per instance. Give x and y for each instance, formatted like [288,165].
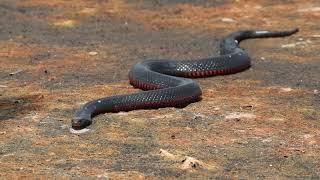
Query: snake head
[80,123]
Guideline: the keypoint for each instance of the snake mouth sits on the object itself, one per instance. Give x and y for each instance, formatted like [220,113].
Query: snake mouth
[78,124]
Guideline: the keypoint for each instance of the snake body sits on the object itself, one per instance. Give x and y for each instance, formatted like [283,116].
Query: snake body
[166,82]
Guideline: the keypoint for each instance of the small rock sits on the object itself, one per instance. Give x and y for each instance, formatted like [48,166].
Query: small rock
[93,53]
[168,155]
[187,163]
[315,91]
[227,20]
[191,163]
[289,45]
[286,89]
[79,131]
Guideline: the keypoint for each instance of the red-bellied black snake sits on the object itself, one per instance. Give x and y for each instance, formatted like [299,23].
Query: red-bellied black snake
[166,81]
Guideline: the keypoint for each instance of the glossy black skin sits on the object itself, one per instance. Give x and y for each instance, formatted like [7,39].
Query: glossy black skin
[169,90]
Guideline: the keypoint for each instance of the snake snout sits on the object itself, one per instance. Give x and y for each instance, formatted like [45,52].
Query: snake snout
[80,123]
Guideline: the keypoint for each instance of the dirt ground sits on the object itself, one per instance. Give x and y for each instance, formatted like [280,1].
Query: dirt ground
[56,55]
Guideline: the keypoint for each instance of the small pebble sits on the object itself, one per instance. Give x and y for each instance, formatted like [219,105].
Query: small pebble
[286,89]
[288,45]
[227,20]
[93,53]
[191,163]
[79,131]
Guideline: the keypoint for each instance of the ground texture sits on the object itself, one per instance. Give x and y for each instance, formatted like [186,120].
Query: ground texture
[56,55]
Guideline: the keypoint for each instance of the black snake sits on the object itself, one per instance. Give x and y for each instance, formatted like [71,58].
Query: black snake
[165,89]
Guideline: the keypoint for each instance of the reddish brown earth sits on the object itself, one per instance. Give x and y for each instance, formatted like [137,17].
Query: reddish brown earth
[260,123]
